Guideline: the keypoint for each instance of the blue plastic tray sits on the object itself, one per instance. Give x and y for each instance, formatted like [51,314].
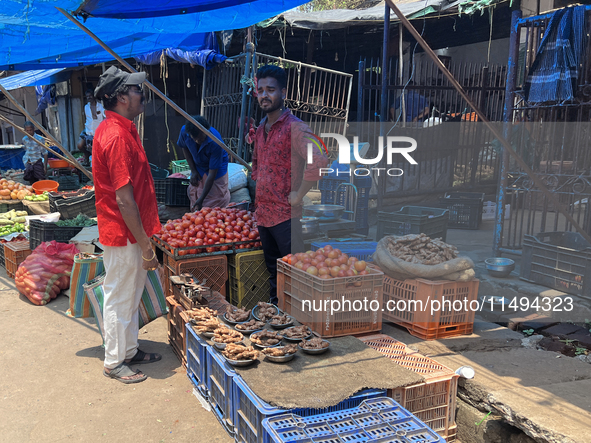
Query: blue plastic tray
[374,420]
[250,411]
[220,384]
[197,365]
[361,250]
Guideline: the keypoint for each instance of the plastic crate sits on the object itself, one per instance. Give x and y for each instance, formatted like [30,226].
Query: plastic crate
[176,330]
[40,232]
[70,208]
[248,279]
[212,269]
[67,182]
[408,303]
[434,400]
[362,250]
[176,192]
[179,166]
[14,254]
[201,251]
[54,197]
[220,384]
[465,209]
[160,189]
[250,411]
[197,363]
[375,420]
[2,260]
[9,205]
[413,220]
[559,260]
[294,287]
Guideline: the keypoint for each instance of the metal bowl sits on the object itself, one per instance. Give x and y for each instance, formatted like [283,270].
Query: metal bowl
[296,340]
[239,363]
[247,331]
[499,267]
[255,312]
[233,323]
[324,213]
[286,325]
[314,351]
[282,359]
[222,346]
[207,334]
[256,345]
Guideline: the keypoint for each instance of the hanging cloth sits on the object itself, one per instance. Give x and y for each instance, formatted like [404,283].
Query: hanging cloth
[554,73]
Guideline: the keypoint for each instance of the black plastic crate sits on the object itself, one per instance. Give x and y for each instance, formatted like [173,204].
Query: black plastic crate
[558,260]
[9,205]
[59,196]
[40,232]
[2,259]
[176,192]
[67,182]
[465,209]
[328,188]
[70,208]
[413,220]
[160,188]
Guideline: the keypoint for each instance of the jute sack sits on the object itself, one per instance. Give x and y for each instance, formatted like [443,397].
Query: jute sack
[458,269]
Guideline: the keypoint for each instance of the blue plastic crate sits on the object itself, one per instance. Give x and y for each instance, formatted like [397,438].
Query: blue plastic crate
[250,411]
[220,384]
[362,250]
[374,420]
[197,364]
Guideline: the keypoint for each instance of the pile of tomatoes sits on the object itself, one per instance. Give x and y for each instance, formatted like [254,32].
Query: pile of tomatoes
[327,263]
[211,229]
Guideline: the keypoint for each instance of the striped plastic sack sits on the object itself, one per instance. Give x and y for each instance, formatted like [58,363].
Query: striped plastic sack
[85,268]
[152,304]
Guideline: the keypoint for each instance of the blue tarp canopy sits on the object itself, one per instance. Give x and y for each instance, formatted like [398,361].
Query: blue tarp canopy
[34,78]
[35,35]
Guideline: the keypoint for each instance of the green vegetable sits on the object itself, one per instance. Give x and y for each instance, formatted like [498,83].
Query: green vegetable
[80,220]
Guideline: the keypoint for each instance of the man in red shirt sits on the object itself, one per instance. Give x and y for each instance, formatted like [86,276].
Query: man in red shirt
[127,217]
[281,173]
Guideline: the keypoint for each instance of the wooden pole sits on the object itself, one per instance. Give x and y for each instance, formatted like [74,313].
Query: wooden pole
[22,131]
[498,135]
[156,90]
[42,129]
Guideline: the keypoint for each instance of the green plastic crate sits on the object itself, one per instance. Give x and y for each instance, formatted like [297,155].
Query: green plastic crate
[248,278]
[179,166]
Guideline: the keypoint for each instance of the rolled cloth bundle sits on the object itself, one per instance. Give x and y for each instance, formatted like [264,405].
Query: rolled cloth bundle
[417,256]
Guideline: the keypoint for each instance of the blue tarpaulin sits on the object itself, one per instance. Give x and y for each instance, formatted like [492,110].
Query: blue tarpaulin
[35,35]
[34,78]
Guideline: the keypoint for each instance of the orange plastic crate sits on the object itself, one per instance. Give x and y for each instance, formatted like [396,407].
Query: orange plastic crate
[214,269]
[433,401]
[176,329]
[444,322]
[14,254]
[295,286]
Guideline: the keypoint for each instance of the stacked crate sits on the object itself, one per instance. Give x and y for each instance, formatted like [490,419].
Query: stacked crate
[434,400]
[176,329]
[14,254]
[248,279]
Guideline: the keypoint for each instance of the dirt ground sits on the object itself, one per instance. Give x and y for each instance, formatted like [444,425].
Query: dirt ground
[52,387]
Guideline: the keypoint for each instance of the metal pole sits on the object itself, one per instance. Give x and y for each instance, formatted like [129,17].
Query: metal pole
[507,119]
[156,90]
[43,130]
[249,52]
[360,81]
[384,98]
[496,132]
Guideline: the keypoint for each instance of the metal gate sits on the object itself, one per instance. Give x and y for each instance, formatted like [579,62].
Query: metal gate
[471,162]
[555,140]
[316,95]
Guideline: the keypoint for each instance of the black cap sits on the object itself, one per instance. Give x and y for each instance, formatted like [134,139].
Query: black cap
[114,77]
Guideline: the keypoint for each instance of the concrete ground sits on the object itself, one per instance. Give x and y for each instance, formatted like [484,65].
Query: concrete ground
[52,388]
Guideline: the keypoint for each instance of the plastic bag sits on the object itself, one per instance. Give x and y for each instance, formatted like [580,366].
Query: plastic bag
[236,177]
[46,272]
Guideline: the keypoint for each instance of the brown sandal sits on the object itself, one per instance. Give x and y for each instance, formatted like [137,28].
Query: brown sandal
[123,370]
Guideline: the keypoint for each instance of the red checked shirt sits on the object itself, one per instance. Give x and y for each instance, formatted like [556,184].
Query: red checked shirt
[278,156]
[118,158]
